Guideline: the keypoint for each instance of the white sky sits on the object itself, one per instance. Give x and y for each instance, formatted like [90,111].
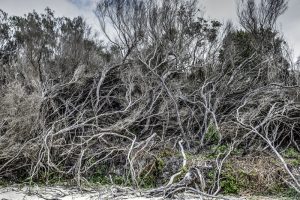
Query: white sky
[221,10]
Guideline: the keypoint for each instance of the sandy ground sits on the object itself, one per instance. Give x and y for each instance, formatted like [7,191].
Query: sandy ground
[60,193]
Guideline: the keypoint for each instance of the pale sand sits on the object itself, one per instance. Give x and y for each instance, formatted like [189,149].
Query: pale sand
[60,193]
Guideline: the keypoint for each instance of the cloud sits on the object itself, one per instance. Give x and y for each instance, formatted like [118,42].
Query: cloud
[84,4]
[220,9]
[289,23]
[17,7]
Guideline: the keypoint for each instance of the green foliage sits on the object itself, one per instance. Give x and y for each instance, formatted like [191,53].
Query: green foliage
[236,181]
[3,183]
[215,150]
[232,182]
[230,185]
[291,153]
[53,178]
[148,181]
[295,162]
[182,173]
[281,189]
[148,178]
[100,176]
[291,193]
[166,153]
[293,156]
[212,135]
[160,164]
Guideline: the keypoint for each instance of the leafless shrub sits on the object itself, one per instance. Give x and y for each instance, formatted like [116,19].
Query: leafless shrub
[169,80]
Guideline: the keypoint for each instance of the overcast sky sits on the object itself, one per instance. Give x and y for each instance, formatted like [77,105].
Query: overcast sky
[217,9]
